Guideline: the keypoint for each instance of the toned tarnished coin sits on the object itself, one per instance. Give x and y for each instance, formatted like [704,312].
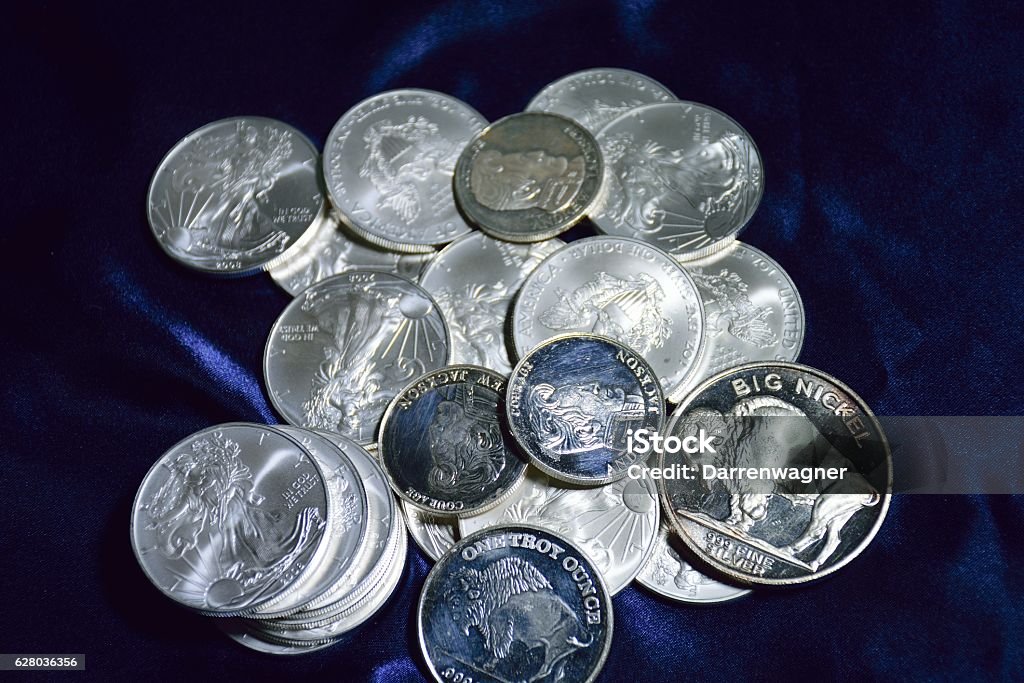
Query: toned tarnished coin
[388,164]
[515,603]
[231,518]
[333,249]
[574,400]
[667,574]
[620,288]
[231,197]
[595,97]
[682,176]
[442,445]
[474,280]
[343,348]
[754,311]
[434,534]
[529,177]
[615,525]
[799,480]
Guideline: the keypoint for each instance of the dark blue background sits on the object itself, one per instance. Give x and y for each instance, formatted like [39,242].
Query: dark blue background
[891,139]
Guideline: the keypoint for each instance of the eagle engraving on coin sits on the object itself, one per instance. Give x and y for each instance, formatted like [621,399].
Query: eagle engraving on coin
[466,445]
[509,602]
[735,313]
[581,417]
[208,513]
[515,181]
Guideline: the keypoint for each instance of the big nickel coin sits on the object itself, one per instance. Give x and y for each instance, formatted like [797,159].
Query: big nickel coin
[514,603]
[573,402]
[616,525]
[343,348]
[474,280]
[388,164]
[442,445]
[778,530]
[670,576]
[529,177]
[230,518]
[595,97]
[621,288]
[233,196]
[682,176]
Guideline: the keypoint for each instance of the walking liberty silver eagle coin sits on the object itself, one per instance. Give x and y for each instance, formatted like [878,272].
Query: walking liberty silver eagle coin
[595,97]
[515,603]
[682,176]
[573,402]
[343,348]
[442,445]
[233,196]
[434,534]
[799,482]
[529,176]
[474,280]
[667,574]
[231,519]
[388,165]
[620,288]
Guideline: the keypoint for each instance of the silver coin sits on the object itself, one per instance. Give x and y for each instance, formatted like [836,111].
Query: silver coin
[782,530]
[333,249]
[669,575]
[595,97]
[529,177]
[682,176]
[388,164]
[615,525]
[342,349]
[573,402]
[474,280]
[434,534]
[754,311]
[253,639]
[442,445]
[620,288]
[234,195]
[230,518]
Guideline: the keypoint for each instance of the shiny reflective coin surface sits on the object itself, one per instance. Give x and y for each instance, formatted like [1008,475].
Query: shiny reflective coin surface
[778,530]
[234,195]
[595,97]
[573,402]
[251,638]
[620,288]
[231,518]
[682,176]
[343,348]
[667,574]
[434,534]
[442,445]
[333,249]
[615,525]
[388,165]
[474,280]
[514,603]
[754,311]
[529,177]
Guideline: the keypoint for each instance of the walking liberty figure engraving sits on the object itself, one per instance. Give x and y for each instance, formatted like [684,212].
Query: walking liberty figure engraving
[735,312]
[476,316]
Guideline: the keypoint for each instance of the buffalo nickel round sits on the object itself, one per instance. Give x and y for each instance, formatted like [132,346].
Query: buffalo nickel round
[474,280]
[682,176]
[754,311]
[670,576]
[515,603]
[529,177]
[231,197]
[615,525]
[779,530]
[595,97]
[343,348]
[620,288]
[388,164]
[231,518]
[573,402]
[434,534]
[442,445]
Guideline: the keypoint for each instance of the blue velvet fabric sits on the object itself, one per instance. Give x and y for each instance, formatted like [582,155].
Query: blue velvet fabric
[892,147]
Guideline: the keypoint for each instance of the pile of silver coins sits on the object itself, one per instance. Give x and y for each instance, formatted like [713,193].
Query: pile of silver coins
[446,353]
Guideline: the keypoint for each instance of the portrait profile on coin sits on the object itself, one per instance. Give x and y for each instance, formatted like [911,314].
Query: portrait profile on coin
[513,181]
[580,417]
[466,447]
